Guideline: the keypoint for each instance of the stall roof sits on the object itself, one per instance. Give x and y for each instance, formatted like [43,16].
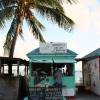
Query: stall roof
[36,56]
[36,52]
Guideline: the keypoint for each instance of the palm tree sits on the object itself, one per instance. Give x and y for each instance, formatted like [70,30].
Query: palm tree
[20,10]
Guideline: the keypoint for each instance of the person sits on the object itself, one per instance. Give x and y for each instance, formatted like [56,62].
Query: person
[58,77]
[67,73]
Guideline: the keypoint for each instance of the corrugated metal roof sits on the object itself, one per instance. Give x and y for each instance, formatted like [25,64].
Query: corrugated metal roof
[93,54]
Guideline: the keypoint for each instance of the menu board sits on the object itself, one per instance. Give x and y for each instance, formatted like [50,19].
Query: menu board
[51,93]
[53,48]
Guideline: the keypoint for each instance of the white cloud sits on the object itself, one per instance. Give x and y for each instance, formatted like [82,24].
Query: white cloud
[86,15]
[95,18]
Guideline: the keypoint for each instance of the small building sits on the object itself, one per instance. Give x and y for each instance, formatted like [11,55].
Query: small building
[12,86]
[91,71]
[52,65]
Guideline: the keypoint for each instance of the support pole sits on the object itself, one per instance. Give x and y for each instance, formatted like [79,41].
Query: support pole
[52,66]
[30,68]
[27,70]
[18,62]
[0,66]
[52,70]
[3,68]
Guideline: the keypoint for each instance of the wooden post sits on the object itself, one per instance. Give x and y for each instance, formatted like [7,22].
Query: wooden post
[83,73]
[18,62]
[0,66]
[52,67]
[3,68]
[30,68]
[9,68]
[27,70]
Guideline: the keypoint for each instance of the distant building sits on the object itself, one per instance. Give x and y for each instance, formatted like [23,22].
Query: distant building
[91,71]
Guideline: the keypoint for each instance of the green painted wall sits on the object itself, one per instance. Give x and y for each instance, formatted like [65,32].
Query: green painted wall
[36,57]
[69,82]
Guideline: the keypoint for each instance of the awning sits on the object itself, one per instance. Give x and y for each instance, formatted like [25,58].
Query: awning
[42,61]
[53,60]
[64,60]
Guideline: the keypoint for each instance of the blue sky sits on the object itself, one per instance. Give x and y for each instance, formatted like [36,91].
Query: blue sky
[83,39]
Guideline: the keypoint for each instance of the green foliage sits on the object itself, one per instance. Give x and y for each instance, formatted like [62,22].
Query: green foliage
[9,38]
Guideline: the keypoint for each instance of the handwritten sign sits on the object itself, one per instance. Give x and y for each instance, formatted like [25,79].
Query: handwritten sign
[39,93]
[53,48]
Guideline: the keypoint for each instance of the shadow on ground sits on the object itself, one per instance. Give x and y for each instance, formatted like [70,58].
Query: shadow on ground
[86,95]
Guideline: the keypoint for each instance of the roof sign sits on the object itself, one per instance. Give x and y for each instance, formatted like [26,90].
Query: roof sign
[53,48]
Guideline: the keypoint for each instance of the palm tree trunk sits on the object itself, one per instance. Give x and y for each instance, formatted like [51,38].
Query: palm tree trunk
[11,54]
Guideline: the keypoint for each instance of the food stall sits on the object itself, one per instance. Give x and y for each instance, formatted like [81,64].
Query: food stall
[52,72]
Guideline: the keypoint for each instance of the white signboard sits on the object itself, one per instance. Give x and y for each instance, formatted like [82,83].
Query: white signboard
[52,47]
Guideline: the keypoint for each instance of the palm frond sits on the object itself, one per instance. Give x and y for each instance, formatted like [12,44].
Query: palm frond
[7,3]
[9,38]
[16,28]
[56,16]
[29,15]
[6,14]
[35,30]
[35,26]
[71,1]
[50,3]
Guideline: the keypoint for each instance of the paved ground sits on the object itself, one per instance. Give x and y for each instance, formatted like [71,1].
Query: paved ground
[86,96]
